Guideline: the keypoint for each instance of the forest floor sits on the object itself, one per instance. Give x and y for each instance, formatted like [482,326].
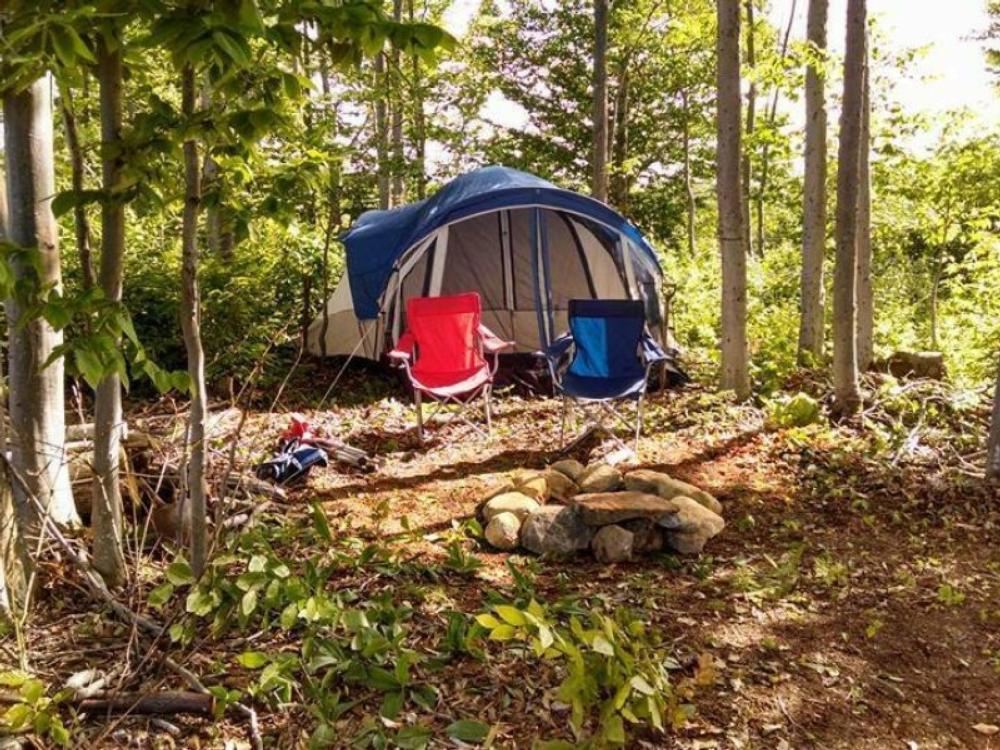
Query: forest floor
[852,601]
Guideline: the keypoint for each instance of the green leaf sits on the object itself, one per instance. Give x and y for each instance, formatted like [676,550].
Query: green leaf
[249,602]
[511,615]
[160,595]
[392,704]
[603,646]
[252,659]
[488,621]
[180,573]
[503,633]
[14,678]
[413,738]
[613,730]
[320,523]
[468,730]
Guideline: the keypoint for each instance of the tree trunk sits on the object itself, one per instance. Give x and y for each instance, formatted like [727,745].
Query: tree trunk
[866,294]
[106,510]
[993,442]
[766,151]
[751,124]
[396,116]
[732,237]
[619,173]
[381,134]
[599,166]
[934,296]
[419,125]
[14,561]
[814,196]
[80,223]
[37,399]
[845,354]
[688,182]
[195,501]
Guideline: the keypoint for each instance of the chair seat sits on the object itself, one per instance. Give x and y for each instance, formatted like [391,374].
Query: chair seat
[600,389]
[445,385]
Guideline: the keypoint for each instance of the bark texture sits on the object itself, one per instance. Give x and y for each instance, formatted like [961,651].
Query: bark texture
[751,124]
[599,165]
[195,501]
[866,292]
[81,225]
[381,133]
[845,354]
[993,443]
[814,196]
[732,235]
[37,401]
[688,180]
[398,185]
[106,509]
[14,560]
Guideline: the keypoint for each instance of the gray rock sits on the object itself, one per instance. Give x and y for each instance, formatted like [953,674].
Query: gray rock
[600,478]
[510,502]
[612,544]
[560,486]
[685,542]
[569,467]
[503,530]
[664,485]
[555,530]
[603,508]
[648,536]
[692,518]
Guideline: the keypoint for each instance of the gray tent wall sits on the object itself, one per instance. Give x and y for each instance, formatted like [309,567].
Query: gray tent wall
[526,262]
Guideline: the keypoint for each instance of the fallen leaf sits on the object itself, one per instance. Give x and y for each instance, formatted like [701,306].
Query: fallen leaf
[988,729]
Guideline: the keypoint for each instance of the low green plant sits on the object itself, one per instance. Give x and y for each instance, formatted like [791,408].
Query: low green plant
[615,671]
[33,710]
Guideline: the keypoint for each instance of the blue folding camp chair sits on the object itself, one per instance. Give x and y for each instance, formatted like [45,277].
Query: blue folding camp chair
[610,354]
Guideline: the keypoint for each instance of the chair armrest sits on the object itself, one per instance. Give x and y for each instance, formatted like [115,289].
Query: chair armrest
[403,351]
[557,349]
[651,352]
[492,344]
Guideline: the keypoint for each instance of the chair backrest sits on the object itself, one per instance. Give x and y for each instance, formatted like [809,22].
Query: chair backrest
[606,337]
[446,330]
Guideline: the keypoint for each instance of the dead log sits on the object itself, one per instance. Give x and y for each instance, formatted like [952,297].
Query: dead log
[929,365]
[166,703]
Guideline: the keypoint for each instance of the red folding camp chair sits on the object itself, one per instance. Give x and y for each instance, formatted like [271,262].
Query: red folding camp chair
[444,354]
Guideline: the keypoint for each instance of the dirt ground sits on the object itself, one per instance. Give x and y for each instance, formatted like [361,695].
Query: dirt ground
[851,602]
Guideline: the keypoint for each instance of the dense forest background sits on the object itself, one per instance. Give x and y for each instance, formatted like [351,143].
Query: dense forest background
[339,139]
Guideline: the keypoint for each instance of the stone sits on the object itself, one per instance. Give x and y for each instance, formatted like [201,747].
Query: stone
[648,536]
[612,544]
[569,467]
[692,518]
[555,530]
[600,478]
[664,485]
[685,542]
[603,508]
[531,483]
[510,502]
[503,530]
[560,486]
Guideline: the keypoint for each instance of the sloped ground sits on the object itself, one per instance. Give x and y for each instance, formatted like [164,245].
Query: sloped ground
[853,601]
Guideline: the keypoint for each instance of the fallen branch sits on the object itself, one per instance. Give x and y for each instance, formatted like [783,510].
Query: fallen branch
[165,703]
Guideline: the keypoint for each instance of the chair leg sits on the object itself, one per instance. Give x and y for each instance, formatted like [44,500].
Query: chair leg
[638,424]
[420,415]
[487,395]
[565,416]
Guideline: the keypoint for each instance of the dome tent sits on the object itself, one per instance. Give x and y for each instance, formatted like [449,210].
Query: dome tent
[526,246]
